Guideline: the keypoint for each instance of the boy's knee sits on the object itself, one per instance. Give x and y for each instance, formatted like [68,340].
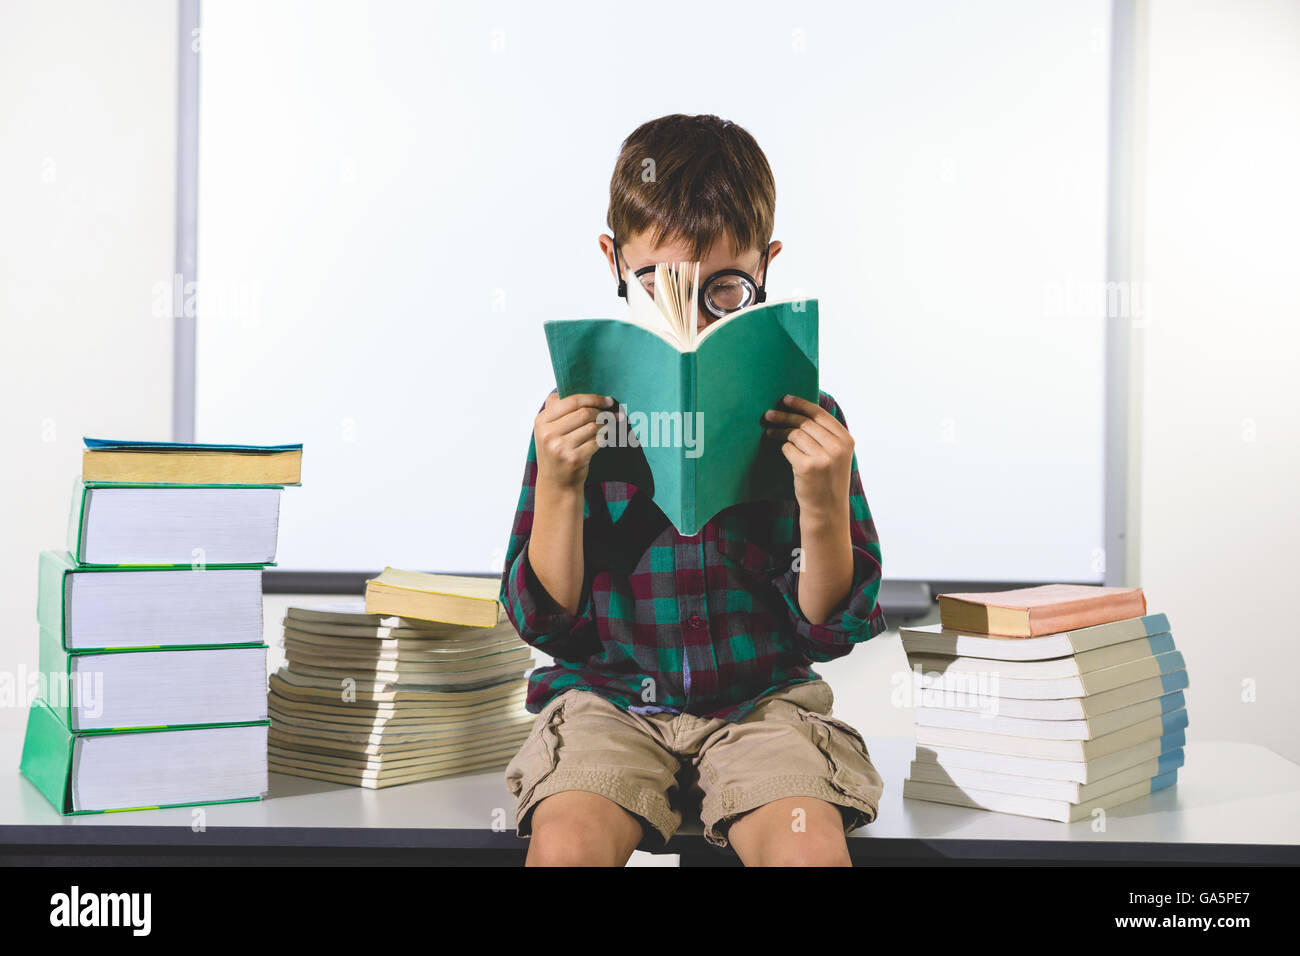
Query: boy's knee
[575,828]
[819,847]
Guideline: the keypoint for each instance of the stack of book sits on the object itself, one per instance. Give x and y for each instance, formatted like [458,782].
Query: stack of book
[425,679]
[152,660]
[1046,702]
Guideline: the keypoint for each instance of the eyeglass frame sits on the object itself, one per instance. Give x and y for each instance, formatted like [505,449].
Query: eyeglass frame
[760,296]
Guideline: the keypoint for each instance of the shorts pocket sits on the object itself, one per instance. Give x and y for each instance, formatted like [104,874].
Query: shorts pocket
[538,757]
[852,772]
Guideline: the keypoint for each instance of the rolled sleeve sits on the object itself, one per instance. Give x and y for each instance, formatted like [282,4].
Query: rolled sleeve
[856,619]
[540,621]
[859,616]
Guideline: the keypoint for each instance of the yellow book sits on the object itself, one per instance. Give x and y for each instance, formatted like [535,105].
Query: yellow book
[182,463]
[448,598]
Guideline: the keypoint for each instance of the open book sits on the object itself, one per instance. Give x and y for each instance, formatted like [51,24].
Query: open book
[691,435]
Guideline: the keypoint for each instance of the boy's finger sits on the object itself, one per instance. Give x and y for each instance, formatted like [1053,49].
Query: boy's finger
[804,442]
[576,419]
[793,455]
[582,434]
[822,436]
[560,407]
[813,411]
[774,417]
[588,449]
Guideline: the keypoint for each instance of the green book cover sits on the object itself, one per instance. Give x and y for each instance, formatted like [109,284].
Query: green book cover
[49,756]
[81,494]
[61,691]
[54,587]
[694,416]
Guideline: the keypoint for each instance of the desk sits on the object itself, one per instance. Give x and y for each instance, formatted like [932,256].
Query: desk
[1234,803]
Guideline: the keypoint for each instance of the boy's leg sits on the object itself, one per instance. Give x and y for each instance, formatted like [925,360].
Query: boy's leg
[791,831]
[578,828]
[785,784]
[593,782]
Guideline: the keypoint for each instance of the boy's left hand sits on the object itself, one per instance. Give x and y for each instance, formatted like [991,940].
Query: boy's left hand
[820,452]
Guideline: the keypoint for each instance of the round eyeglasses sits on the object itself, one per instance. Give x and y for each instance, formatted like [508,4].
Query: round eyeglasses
[723,292]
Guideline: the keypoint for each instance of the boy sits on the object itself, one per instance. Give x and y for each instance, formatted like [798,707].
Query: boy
[682,663]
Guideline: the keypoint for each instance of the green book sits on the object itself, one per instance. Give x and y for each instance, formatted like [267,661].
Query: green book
[133,688]
[693,436]
[120,524]
[92,607]
[101,772]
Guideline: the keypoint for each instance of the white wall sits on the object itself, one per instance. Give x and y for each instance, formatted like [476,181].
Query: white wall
[87,154]
[1220,516]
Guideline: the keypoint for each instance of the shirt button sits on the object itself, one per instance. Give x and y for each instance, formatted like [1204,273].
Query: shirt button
[694,623]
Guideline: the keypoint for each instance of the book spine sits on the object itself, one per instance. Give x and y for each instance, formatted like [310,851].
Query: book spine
[1072,615]
[55,665]
[51,595]
[689,404]
[77,518]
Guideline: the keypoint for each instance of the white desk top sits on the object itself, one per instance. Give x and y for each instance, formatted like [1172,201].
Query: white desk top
[1228,794]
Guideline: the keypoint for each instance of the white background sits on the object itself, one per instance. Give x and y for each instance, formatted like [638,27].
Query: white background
[394,196]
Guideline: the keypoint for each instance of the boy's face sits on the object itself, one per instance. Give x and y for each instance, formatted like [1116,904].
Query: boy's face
[638,252]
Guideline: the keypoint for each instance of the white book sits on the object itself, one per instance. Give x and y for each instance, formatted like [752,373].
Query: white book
[162,688]
[1060,810]
[993,682]
[174,524]
[992,721]
[398,733]
[348,619]
[488,638]
[1067,708]
[295,738]
[1078,771]
[1070,791]
[166,767]
[937,639]
[1056,668]
[147,608]
[1045,749]
[402,760]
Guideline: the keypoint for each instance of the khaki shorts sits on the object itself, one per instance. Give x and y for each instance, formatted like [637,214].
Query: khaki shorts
[657,765]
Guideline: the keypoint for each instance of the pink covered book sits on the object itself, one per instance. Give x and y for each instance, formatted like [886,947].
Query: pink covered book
[1033,612]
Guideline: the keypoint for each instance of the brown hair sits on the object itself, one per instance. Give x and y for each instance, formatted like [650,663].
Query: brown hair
[694,178]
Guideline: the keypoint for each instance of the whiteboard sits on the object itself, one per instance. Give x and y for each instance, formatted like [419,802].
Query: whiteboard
[394,196]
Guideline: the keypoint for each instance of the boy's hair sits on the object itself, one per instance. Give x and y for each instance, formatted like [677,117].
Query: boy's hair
[692,178]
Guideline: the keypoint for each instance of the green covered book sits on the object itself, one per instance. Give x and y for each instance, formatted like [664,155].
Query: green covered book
[91,607]
[690,432]
[103,771]
[126,689]
[167,525]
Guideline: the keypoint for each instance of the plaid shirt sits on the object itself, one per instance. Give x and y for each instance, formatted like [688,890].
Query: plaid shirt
[704,624]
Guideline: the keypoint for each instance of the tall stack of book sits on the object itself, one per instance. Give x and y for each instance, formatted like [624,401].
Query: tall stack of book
[152,661]
[1049,702]
[425,679]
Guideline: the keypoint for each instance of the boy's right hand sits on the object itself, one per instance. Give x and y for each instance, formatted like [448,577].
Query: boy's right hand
[565,432]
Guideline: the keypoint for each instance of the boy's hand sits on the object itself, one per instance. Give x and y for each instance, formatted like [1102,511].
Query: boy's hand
[565,432]
[820,451]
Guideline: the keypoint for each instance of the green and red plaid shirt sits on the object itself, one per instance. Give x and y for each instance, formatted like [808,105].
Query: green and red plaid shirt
[704,624]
